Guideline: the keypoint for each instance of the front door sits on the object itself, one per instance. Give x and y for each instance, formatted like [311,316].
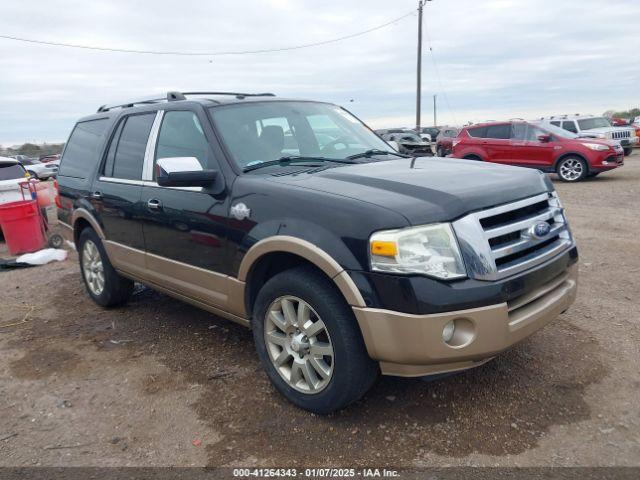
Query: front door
[116,193]
[185,228]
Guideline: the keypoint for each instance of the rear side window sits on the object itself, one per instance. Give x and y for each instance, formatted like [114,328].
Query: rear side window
[570,126]
[502,132]
[128,153]
[81,152]
[478,132]
[11,171]
[557,124]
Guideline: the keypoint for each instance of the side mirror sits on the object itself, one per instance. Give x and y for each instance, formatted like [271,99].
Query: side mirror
[183,172]
[544,138]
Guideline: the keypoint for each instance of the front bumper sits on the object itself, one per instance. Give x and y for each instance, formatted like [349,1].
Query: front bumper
[412,345]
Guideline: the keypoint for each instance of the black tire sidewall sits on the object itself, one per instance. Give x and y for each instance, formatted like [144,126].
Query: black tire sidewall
[351,361]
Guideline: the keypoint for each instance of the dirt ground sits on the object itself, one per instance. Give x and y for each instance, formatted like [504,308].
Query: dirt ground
[161,383]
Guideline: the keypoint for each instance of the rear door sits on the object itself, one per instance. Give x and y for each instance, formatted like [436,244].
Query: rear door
[185,227]
[117,191]
[497,143]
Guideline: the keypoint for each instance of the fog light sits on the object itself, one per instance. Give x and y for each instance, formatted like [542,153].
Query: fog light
[447,331]
[459,332]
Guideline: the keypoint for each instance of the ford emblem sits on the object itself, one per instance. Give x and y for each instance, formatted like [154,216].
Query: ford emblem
[540,230]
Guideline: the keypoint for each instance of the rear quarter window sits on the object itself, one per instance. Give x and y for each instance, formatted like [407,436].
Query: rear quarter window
[81,153]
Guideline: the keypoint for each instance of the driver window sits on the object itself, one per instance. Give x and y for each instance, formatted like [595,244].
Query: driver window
[181,135]
[533,133]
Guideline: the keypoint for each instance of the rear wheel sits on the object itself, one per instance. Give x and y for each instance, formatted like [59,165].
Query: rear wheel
[104,285]
[628,151]
[440,152]
[572,169]
[309,343]
[472,157]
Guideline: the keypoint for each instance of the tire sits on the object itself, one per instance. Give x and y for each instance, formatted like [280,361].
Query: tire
[627,151]
[104,285]
[572,169]
[440,152]
[336,347]
[472,157]
[33,174]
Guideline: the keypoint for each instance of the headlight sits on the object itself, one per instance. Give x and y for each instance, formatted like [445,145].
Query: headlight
[596,146]
[429,250]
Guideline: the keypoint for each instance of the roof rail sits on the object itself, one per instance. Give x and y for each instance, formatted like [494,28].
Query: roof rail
[176,96]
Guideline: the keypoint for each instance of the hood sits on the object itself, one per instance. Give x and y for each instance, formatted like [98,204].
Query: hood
[434,190]
[609,130]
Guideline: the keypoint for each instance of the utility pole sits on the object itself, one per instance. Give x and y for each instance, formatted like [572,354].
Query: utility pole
[419,72]
[435,110]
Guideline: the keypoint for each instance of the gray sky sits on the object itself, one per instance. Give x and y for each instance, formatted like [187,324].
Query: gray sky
[496,58]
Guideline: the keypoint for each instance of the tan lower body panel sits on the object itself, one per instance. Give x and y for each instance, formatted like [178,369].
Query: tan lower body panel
[214,292]
[413,345]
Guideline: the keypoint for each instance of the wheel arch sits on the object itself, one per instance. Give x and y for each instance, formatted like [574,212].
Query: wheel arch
[82,219]
[278,253]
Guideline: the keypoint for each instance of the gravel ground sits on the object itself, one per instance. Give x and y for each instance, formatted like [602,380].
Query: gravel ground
[161,383]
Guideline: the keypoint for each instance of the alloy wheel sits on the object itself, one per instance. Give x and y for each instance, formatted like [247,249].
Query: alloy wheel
[298,344]
[571,169]
[92,267]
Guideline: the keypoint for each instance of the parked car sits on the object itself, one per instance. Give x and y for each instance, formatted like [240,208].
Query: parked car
[595,127]
[545,147]
[444,142]
[620,122]
[409,142]
[11,174]
[50,158]
[39,170]
[429,134]
[346,260]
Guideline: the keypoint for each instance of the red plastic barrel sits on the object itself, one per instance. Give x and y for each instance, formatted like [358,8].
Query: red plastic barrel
[21,226]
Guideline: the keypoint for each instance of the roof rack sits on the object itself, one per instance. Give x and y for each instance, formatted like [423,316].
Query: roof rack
[176,96]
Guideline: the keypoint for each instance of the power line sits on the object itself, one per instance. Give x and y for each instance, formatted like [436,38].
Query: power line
[437,70]
[205,54]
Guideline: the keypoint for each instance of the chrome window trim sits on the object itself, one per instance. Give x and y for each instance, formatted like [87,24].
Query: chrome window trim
[121,180]
[150,151]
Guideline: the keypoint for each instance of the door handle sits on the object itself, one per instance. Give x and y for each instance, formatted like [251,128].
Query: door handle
[154,204]
[97,195]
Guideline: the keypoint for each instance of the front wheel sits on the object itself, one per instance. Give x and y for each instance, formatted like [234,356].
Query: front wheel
[572,169]
[628,151]
[309,342]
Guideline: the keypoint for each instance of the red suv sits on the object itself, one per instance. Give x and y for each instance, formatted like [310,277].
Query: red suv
[547,148]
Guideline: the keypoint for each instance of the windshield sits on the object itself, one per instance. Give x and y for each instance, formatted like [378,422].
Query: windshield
[589,123]
[559,132]
[409,137]
[255,133]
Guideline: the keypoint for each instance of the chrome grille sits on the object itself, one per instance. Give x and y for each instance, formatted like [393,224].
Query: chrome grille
[499,242]
[620,134]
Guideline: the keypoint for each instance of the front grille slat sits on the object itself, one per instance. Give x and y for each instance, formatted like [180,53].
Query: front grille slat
[525,243]
[522,224]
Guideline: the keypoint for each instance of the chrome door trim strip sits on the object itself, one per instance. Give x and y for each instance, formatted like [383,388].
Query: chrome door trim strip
[126,181]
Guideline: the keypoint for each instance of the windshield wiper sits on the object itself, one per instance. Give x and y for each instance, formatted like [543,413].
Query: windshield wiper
[374,151]
[291,159]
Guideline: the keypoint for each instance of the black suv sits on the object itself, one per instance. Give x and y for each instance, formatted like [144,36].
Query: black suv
[293,218]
